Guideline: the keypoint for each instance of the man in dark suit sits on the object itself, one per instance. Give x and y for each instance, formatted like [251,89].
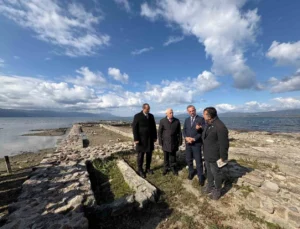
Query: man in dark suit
[170,138]
[144,134]
[215,148]
[193,143]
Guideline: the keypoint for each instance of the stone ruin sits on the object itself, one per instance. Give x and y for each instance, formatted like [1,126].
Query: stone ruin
[58,193]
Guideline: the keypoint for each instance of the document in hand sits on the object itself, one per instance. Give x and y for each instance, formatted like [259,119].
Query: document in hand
[221,163]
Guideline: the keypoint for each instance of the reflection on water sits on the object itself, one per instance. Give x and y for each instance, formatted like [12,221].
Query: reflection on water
[11,129]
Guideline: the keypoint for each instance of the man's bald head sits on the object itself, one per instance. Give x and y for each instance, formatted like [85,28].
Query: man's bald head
[169,113]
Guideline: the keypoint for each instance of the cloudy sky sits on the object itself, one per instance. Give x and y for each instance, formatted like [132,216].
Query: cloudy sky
[114,55]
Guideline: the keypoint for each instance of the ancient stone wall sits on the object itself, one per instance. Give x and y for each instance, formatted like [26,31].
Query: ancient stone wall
[59,189]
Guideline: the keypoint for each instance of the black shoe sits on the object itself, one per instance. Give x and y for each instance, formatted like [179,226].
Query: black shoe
[175,172]
[165,172]
[215,194]
[207,189]
[150,171]
[142,174]
[190,176]
[201,183]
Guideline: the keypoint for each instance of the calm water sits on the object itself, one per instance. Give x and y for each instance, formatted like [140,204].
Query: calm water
[11,129]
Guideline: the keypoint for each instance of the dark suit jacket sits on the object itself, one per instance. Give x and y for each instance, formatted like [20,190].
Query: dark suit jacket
[169,134]
[191,131]
[215,141]
[144,131]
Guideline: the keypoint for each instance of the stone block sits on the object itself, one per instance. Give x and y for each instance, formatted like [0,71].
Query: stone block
[294,218]
[253,179]
[280,212]
[267,205]
[253,201]
[269,186]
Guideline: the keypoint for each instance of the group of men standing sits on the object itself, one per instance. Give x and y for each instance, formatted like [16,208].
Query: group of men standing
[208,133]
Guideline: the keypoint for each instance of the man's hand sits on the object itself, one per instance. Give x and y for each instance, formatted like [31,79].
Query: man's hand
[188,139]
[136,142]
[198,126]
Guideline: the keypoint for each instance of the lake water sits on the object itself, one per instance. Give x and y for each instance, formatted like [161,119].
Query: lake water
[11,129]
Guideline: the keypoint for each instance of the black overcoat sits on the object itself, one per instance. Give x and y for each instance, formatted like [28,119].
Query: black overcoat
[215,141]
[144,131]
[169,134]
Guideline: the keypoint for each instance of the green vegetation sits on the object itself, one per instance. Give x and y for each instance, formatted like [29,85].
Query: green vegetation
[178,198]
[246,214]
[255,164]
[245,189]
[111,184]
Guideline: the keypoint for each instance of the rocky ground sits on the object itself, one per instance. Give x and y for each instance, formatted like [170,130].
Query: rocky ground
[263,169]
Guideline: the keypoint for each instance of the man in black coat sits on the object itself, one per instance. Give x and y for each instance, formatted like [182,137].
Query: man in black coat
[215,148]
[170,138]
[144,134]
[193,143]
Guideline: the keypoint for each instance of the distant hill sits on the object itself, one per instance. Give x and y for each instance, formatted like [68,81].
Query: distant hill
[281,113]
[44,113]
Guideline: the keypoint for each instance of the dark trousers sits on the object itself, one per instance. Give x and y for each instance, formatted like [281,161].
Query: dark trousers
[140,160]
[169,159]
[216,175]
[194,152]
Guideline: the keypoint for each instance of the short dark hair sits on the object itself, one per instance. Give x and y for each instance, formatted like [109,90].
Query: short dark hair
[212,112]
[189,106]
[145,104]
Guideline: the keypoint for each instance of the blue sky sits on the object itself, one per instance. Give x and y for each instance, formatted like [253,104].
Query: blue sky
[115,55]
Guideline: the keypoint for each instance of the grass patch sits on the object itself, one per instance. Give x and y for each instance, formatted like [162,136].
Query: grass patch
[255,164]
[177,198]
[110,182]
[245,189]
[246,214]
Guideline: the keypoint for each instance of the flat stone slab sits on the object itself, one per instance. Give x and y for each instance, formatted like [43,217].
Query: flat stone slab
[269,186]
[253,179]
[144,191]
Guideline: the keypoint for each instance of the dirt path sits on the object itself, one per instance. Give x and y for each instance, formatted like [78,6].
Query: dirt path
[98,136]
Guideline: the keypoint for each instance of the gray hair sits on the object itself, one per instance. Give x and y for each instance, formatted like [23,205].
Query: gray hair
[169,110]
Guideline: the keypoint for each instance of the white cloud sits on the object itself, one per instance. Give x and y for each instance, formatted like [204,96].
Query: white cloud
[274,104]
[285,53]
[1,62]
[140,51]
[29,92]
[288,103]
[223,27]
[124,3]
[286,84]
[180,92]
[172,40]
[224,107]
[16,57]
[117,75]
[88,78]
[69,26]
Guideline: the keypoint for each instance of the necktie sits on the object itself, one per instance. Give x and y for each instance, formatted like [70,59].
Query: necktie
[192,121]
[170,120]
